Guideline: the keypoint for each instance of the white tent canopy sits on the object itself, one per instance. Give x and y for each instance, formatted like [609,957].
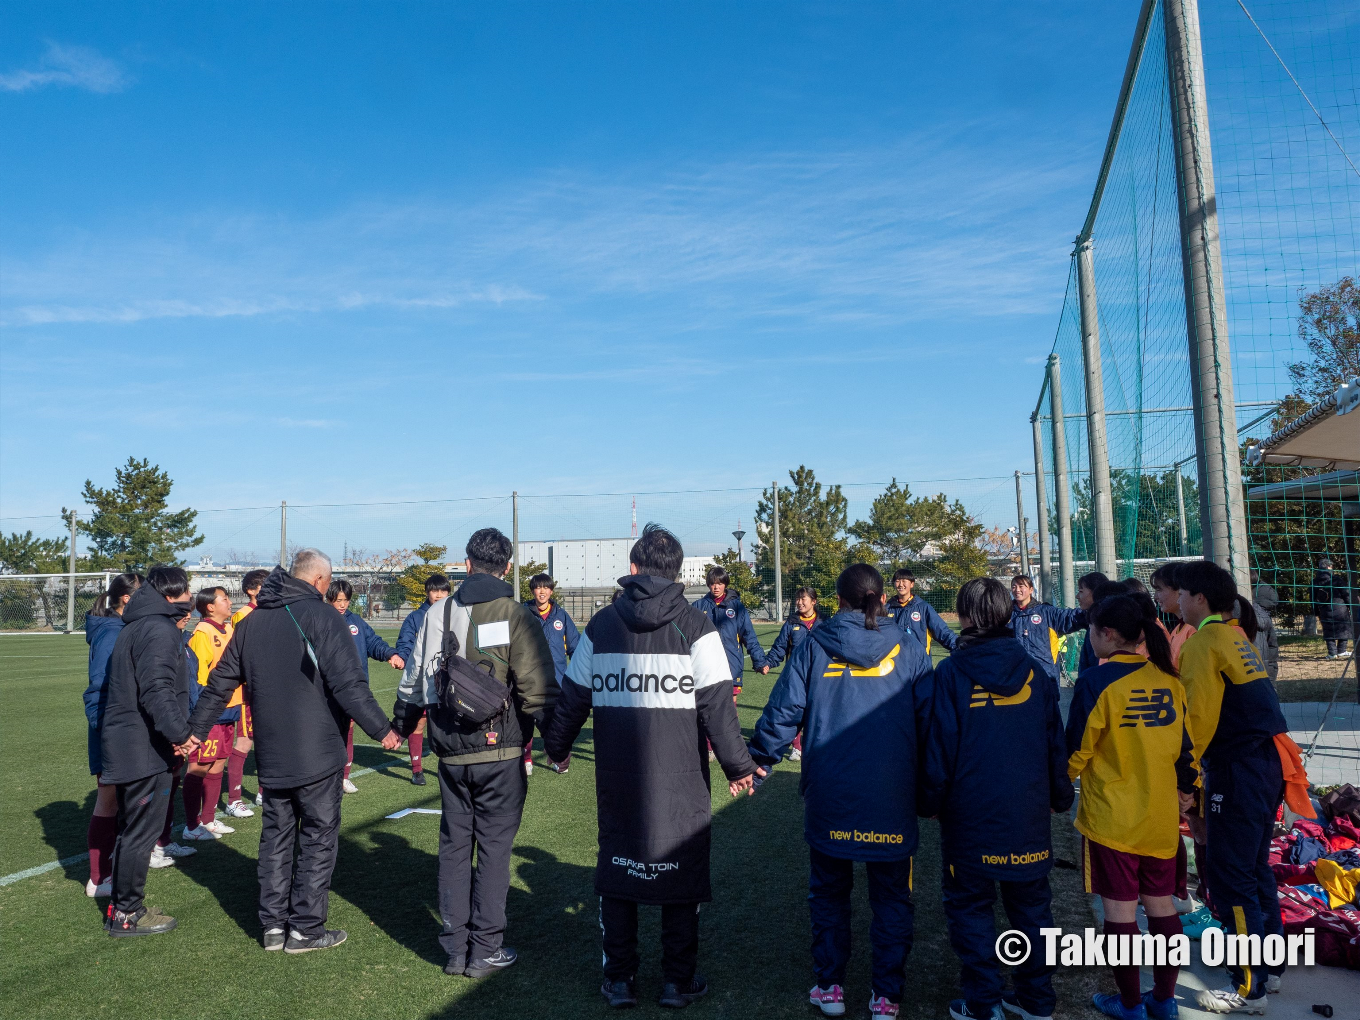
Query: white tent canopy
[1328,436]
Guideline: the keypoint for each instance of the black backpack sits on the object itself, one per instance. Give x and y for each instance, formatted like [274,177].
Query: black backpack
[469,690]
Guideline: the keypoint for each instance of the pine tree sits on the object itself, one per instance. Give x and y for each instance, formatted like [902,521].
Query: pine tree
[131,529]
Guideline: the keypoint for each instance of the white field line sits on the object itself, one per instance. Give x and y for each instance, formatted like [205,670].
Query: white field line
[42,869]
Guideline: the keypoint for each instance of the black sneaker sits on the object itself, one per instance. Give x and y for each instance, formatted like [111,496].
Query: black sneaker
[499,960]
[328,939]
[143,921]
[677,997]
[418,778]
[456,964]
[619,994]
[273,939]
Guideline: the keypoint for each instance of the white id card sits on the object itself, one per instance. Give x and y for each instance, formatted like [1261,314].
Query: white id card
[491,634]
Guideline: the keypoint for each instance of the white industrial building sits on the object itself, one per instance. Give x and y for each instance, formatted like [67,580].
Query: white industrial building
[693,569]
[580,562]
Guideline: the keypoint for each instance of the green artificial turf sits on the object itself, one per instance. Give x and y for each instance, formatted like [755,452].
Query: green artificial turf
[57,962]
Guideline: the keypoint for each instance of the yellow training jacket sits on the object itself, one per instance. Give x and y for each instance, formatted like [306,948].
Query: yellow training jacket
[1234,712]
[208,642]
[1127,740]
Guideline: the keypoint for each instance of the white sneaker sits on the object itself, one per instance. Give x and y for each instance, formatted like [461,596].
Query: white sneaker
[161,859]
[200,832]
[104,889]
[238,809]
[528,764]
[221,828]
[1226,1000]
[177,851]
[1273,984]
[259,799]
[350,787]
[795,755]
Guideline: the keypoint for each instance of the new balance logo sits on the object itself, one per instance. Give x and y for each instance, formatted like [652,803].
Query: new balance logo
[838,668]
[1150,709]
[982,697]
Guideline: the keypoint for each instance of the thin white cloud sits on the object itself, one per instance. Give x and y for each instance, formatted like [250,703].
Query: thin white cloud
[307,423]
[77,67]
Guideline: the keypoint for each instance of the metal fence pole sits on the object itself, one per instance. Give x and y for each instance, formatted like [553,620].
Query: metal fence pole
[1223,519]
[1102,505]
[778,565]
[71,588]
[1041,508]
[1180,510]
[1021,526]
[514,536]
[1062,495]
[283,534]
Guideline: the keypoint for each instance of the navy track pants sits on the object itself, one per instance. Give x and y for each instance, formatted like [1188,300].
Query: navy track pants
[830,883]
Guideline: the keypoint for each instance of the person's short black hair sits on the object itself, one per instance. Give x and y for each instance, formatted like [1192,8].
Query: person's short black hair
[252,579]
[339,586]
[489,551]
[171,582]
[986,603]
[799,592]
[1165,576]
[1204,577]
[657,553]
[1023,579]
[438,582]
[904,574]
[716,574]
[542,581]
[205,598]
[1107,589]
[1092,581]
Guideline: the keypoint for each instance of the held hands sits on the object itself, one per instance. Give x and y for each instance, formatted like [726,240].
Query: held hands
[764,670]
[187,748]
[1187,801]
[746,785]
[397,662]
[392,741]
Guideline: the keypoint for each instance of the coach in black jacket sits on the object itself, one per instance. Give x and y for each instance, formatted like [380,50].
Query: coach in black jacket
[653,670]
[304,683]
[146,719]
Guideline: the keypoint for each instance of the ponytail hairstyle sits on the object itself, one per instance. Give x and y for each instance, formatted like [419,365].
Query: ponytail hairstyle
[799,593]
[1246,617]
[119,585]
[861,588]
[1133,616]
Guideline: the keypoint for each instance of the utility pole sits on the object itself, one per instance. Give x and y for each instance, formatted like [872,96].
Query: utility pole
[1180,510]
[1062,495]
[283,534]
[71,588]
[1102,506]
[778,566]
[1222,513]
[1022,524]
[514,536]
[1041,508]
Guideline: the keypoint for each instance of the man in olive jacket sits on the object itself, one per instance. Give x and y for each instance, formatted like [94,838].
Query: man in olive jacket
[295,657]
[481,767]
[146,723]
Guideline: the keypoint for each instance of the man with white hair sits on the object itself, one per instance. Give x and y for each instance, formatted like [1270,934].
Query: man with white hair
[295,657]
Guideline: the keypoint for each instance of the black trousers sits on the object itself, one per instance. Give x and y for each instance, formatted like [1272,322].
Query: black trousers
[141,816]
[296,893]
[830,883]
[679,940]
[483,805]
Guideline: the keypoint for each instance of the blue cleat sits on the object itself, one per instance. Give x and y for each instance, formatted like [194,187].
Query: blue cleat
[1167,1010]
[1112,1005]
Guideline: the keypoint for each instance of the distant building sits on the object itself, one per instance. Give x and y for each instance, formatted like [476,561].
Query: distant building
[580,562]
[692,570]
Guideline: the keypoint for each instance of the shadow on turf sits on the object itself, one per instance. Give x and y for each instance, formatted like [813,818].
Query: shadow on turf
[64,825]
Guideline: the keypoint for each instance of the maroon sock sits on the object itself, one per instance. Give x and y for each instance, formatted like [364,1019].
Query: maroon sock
[1126,978]
[798,742]
[415,744]
[349,750]
[169,813]
[1164,977]
[236,769]
[212,790]
[193,799]
[100,837]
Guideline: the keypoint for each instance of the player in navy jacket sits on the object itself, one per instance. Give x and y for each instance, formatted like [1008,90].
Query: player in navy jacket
[791,635]
[993,765]
[849,685]
[560,630]
[367,645]
[1038,626]
[436,587]
[916,616]
[734,625]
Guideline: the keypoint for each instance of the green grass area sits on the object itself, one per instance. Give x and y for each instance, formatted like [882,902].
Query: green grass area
[58,963]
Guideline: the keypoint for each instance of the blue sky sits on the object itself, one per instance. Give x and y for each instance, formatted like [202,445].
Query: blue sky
[283,249]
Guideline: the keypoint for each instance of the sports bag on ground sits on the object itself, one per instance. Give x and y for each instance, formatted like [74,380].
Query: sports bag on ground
[467,689]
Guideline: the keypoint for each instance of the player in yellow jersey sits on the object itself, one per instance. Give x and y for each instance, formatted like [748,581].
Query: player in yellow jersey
[1128,742]
[203,776]
[245,731]
[1234,719]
